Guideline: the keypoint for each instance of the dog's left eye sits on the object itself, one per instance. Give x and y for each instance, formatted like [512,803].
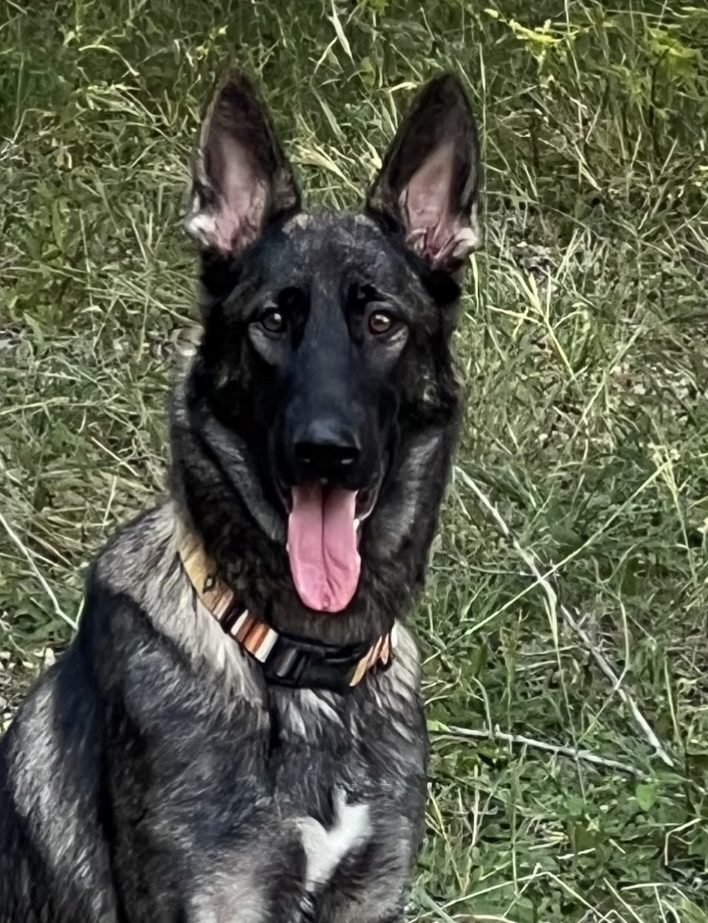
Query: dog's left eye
[381,322]
[273,321]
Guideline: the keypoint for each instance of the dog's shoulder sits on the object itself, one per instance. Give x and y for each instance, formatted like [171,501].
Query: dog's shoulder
[132,582]
[139,570]
[138,554]
[139,598]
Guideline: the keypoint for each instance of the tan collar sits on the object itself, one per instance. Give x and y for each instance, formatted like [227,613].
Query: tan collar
[287,660]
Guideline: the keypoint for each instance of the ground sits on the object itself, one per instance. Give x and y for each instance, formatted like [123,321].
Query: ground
[568,591]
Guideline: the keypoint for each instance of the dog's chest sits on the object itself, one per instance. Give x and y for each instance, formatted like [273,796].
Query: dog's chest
[325,847]
[285,866]
[250,893]
[313,805]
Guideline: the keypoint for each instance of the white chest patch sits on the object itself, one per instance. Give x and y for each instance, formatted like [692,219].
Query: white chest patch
[325,849]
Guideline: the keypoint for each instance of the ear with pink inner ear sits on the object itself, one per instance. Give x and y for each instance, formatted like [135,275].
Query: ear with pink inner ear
[429,183]
[241,179]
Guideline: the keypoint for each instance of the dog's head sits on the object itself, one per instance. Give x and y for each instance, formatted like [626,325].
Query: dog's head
[324,376]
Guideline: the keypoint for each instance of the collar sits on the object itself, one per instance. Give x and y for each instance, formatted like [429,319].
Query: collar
[287,660]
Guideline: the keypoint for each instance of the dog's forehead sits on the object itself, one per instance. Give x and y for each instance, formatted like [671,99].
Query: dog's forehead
[331,245]
[320,231]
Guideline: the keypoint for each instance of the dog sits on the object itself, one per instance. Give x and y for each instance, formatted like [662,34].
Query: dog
[236,732]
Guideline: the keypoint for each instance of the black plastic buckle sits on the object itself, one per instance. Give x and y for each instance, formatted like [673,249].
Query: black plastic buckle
[304,664]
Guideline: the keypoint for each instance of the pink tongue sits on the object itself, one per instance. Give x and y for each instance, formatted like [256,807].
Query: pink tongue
[322,546]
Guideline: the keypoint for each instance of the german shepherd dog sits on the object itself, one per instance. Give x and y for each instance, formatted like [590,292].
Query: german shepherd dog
[235,734]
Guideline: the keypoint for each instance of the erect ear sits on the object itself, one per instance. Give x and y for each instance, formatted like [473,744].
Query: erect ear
[428,186]
[241,179]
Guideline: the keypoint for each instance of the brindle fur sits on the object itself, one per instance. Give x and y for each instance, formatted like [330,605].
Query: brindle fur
[152,775]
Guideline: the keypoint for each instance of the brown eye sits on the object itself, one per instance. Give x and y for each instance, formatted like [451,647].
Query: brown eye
[273,321]
[380,322]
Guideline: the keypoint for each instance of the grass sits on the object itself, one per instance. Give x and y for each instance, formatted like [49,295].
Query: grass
[584,348]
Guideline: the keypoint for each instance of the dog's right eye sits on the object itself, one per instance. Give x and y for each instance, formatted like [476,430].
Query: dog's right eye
[273,321]
[381,323]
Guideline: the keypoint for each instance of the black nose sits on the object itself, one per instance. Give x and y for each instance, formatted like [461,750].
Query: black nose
[325,449]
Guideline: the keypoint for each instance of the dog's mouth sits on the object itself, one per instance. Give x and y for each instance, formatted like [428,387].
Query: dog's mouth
[324,529]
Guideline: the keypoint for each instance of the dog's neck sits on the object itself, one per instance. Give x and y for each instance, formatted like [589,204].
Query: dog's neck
[394,546]
[285,660]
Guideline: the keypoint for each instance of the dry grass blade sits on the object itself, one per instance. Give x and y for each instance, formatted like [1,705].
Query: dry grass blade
[532,563]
